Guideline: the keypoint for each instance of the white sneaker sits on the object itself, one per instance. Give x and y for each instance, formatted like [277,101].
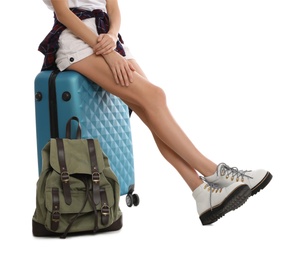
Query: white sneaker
[213,203]
[225,176]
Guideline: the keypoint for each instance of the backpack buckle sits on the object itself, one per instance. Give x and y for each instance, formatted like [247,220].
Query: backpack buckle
[64,176]
[95,177]
[55,217]
[105,210]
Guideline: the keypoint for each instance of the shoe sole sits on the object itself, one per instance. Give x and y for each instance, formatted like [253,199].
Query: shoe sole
[236,199]
[262,184]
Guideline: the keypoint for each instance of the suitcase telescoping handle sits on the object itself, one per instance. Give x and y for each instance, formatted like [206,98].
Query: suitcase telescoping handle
[68,128]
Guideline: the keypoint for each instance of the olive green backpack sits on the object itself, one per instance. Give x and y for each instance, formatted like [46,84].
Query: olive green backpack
[77,192]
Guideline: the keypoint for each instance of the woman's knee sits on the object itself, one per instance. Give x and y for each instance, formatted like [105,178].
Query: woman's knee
[151,99]
[158,95]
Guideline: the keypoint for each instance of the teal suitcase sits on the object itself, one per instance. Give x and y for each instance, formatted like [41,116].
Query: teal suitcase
[62,95]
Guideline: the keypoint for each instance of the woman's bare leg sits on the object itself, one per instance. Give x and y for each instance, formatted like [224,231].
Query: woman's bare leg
[149,101]
[187,172]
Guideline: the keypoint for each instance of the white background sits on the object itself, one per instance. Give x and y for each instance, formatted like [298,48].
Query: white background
[231,72]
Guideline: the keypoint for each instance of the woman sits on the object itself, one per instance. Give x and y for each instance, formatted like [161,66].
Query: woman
[85,40]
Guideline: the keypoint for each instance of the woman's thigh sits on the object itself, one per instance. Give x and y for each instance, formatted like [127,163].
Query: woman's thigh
[139,92]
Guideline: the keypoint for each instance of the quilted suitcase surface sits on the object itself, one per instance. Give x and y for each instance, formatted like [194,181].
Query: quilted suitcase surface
[62,95]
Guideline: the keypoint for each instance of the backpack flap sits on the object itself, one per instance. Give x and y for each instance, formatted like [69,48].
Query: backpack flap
[76,156]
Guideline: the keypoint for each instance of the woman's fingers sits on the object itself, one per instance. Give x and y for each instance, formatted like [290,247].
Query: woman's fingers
[124,74]
[106,44]
[122,69]
[104,48]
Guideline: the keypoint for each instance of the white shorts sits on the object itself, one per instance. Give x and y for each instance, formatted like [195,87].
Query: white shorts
[72,49]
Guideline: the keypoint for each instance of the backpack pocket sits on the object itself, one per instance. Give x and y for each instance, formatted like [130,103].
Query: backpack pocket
[82,213]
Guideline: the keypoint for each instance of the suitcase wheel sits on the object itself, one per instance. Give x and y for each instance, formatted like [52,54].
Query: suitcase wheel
[132,199]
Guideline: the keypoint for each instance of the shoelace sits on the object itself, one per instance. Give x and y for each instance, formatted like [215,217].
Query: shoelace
[234,171]
[212,187]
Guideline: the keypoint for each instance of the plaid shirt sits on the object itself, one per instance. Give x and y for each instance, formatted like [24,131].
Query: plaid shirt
[49,45]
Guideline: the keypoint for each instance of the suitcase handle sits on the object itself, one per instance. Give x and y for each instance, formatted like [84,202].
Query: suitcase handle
[68,128]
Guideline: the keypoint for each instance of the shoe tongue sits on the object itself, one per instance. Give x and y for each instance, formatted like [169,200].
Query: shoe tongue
[219,167]
[215,175]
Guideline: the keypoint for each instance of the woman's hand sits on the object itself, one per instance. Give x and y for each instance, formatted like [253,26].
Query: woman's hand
[122,69]
[106,43]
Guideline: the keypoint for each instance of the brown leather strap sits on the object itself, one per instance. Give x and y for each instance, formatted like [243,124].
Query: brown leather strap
[105,210]
[98,193]
[55,216]
[64,172]
[95,172]
[68,128]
